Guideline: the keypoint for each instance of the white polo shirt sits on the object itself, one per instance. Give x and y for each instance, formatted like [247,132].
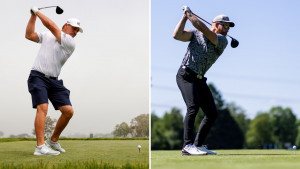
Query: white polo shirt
[52,55]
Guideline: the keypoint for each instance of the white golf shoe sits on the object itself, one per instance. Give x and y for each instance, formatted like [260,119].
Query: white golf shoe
[54,145]
[191,149]
[204,148]
[44,150]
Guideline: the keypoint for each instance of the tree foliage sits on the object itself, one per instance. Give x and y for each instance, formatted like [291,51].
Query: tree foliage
[283,125]
[217,97]
[49,127]
[225,133]
[297,142]
[278,126]
[260,131]
[167,132]
[121,130]
[139,127]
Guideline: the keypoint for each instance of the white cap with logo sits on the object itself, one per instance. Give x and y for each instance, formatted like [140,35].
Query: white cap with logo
[75,23]
[223,18]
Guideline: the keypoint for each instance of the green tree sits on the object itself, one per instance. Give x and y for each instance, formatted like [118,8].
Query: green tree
[284,125]
[49,127]
[225,133]
[239,116]
[260,131]
[159,139]
[121,130]
[140,126]
[167,132]
[297,141]
[217,96]
[173,123]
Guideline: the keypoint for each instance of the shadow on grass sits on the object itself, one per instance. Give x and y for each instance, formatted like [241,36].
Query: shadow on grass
[253,154]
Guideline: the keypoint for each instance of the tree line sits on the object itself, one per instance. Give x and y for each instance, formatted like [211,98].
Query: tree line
[277,127]
[139,127]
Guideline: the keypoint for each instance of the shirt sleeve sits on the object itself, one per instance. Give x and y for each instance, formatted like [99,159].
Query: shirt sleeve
[67,42]
[40,35]
[221,42]
[193,31]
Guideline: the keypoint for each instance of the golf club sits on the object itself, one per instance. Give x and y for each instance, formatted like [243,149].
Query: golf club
[58,9]
[234,42]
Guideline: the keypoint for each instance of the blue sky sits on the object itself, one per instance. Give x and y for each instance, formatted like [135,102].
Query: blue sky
[262,72]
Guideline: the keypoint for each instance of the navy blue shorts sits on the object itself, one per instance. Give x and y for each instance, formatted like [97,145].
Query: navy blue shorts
[43,88]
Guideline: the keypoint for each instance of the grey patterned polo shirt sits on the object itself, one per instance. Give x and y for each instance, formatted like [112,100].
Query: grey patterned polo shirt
[201,53]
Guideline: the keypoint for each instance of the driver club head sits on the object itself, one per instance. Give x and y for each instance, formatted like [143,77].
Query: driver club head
[234,43]
[59,10]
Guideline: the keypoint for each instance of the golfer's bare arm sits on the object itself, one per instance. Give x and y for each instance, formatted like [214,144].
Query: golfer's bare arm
[180,33]
[30,30]
[48,23]
[212,36]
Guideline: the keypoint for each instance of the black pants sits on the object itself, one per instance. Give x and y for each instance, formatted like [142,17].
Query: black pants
[196,94]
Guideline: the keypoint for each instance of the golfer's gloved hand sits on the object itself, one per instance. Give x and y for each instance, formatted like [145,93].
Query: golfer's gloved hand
[34,10]
[186,9]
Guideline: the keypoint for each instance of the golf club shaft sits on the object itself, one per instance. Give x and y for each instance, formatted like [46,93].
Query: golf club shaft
[201,18]
[207,22]
[47,7]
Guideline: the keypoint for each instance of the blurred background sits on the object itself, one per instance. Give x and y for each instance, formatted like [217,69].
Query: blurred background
[255,85]
[108,73]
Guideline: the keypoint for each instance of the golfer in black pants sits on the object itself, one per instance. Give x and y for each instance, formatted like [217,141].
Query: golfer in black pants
[205,47]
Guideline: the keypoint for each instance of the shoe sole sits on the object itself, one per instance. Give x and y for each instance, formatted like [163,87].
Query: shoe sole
[185,153]
[39,154]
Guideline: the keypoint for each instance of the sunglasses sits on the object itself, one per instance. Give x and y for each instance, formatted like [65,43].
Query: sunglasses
[223,24]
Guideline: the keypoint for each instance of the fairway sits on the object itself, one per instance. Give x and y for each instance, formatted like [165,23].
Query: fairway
[227,159]
[113,152]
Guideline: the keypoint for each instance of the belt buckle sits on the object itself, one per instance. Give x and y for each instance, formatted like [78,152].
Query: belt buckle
[199,76]
[47,76]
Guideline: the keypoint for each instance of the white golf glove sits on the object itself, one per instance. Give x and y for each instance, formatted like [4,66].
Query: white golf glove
[34,10]
[185,9]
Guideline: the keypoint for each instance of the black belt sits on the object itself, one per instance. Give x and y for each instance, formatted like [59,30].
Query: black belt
[192,72]
[42,74]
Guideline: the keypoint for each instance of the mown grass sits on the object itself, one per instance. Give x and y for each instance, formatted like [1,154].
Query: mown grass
[227,159]
[63,138]
[80,154]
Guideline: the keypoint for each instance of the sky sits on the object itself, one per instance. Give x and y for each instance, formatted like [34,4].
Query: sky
[108,73]
[262,72]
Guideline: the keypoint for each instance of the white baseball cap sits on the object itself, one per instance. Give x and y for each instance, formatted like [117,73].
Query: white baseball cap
[75,22]
[223,18]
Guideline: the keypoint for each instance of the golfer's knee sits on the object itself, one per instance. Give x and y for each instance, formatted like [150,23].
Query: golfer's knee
[42,109]
[68,112]
[192,110]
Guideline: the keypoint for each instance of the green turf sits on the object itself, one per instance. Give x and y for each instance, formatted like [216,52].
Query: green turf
[227,159]
[113,152]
